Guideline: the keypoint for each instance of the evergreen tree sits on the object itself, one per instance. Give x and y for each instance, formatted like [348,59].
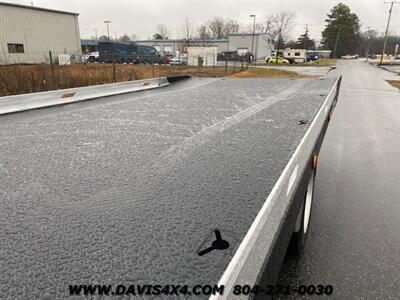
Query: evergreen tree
[342,31]
[305,42]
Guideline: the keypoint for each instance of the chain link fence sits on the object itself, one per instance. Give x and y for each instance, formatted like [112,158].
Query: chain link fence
[36,72]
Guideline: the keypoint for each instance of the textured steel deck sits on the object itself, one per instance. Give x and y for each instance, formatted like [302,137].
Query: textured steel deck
[127,189]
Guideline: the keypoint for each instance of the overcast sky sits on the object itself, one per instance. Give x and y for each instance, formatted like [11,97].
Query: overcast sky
[141,17]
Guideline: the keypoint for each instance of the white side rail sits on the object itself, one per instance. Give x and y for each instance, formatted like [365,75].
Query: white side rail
[17,103]
[246,264]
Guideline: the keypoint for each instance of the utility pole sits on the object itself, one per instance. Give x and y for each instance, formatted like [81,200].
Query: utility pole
[108,29]
[336,42]
[306,35]
[112,47]
[386,32]
[369,39]
[254,31]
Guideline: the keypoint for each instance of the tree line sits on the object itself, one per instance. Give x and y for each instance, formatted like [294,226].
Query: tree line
[341,34]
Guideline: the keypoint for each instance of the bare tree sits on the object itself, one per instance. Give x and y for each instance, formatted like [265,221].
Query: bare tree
[231,26]
[203,33]
[280,26]
[162,31]
[266,26]
[188,29]
[261,27]
[216,27]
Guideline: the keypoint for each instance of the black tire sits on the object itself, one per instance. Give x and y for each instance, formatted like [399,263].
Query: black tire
[299,238]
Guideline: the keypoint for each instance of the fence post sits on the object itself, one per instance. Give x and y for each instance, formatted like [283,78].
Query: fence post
[86,74]
[113,65]
[214,65]
[113,72]
[52,70]
[153,69]
[226,63]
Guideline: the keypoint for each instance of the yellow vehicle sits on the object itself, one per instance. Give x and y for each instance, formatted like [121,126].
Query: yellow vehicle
[277,60]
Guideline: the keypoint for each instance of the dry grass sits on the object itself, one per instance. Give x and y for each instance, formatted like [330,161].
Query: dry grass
[387,63]
[316,63]
[395,83]
[19,79]
[263,72]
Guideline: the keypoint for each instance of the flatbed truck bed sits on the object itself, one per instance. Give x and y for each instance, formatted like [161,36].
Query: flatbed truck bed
[135,188]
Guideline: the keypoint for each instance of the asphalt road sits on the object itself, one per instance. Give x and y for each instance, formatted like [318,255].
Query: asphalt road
[354,242]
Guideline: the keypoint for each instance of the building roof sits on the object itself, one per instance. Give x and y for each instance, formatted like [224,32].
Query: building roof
[249,34]
[38,8]
[183,40]
[208,41]
[89,42]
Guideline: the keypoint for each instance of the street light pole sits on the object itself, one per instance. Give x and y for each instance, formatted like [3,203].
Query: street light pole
[252,38]
[112,49]
[108,29]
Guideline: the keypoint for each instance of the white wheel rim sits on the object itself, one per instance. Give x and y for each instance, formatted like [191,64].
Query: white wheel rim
[309,199]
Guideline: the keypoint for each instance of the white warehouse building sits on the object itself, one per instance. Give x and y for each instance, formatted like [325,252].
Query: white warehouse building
[28,33]
[262,43]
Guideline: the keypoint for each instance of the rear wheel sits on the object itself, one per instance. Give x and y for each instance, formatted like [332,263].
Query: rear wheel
[299,238]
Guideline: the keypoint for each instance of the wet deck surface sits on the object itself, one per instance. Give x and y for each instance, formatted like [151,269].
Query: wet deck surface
[127,189]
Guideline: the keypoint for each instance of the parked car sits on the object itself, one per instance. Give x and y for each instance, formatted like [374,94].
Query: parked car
[312,56]
[166,59]
[178,60]
[276,60]
[233,56]
[348,56]
[290,59]
[91,57]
